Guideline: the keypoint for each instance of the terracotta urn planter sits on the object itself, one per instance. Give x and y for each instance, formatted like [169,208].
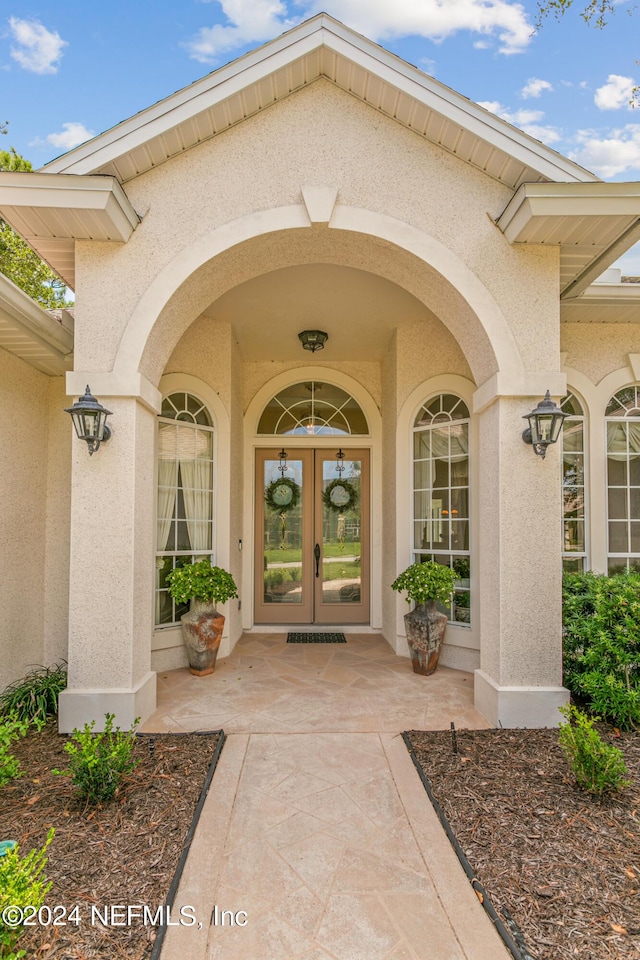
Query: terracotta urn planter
[202,631]
[425,628]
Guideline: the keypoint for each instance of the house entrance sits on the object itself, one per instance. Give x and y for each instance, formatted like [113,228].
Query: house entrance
[312,536]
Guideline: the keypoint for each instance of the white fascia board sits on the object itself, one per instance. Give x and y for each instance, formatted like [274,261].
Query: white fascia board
[97,194]
[571,200]
[29,316]
[613,293]
[460,110]
[183,105]
[279,53]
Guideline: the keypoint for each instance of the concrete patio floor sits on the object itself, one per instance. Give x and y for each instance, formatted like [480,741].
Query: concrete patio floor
[317,836]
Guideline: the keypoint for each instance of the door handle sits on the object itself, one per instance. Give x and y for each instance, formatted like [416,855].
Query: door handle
[316,554]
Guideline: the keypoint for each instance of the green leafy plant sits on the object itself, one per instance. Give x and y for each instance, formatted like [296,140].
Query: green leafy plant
[99,761]
[426,581]
[22,885]
[601,644]
[35,697]
[201,581]
[599,768]
[11,729]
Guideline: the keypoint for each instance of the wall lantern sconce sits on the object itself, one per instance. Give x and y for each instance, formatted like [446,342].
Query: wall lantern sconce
[545,423]
[313,339]
[90,420]
[340,467]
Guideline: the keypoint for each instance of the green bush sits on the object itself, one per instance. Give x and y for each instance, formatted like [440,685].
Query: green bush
[21,885]
[601,643]
[599,768]
[99,761]
[35,697]
[11,729]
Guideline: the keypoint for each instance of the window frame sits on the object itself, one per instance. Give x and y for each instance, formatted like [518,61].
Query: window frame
[623,560]
[460,556]
[581,556]
[185,555]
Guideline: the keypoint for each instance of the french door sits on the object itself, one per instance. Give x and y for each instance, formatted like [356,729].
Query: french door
[312,536]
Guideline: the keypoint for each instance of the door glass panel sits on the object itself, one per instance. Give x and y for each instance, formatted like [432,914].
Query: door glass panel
[341,532]
[282,532]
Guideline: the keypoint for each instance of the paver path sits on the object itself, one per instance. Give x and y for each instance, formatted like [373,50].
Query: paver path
[321,843]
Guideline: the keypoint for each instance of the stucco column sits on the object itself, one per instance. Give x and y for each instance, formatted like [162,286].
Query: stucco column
[519,683]
[111,572]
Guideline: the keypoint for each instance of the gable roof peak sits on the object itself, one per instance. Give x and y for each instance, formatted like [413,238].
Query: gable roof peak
[319,47]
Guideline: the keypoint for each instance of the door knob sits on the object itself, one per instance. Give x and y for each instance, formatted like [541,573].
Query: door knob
[316,554]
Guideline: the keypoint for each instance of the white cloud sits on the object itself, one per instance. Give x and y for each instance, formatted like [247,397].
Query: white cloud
[526,120]
[250,21]
[71,135]
[616,93]
[534,87]
[501,21]
[611,155]
[39,49]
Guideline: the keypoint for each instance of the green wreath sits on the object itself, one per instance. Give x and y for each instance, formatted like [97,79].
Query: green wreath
[282,494]
[339,496]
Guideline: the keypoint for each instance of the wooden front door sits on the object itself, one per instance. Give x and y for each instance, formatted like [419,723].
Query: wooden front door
[312,537]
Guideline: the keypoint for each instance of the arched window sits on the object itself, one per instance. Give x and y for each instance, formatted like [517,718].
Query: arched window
[313,409]
[574,547]
[185,493]
[623,479]
[441,493]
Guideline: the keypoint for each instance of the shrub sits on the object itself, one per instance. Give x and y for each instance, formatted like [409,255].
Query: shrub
[601,642]
[599,768]
[35,697]
[426,581]
[21,885]
[99,761]
[11,729]
[201,581]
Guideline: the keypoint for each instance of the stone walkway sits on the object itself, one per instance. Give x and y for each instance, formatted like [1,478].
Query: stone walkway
[317,839]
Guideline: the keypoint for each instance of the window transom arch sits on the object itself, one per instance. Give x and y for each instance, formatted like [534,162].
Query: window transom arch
[185,502]
[441,493]
[313,408]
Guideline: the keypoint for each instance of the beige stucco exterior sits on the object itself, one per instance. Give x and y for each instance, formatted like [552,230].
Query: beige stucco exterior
[318,211]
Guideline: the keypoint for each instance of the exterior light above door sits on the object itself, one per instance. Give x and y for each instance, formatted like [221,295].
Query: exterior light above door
[283,461]
[90,420]
[313,339]
[545,423]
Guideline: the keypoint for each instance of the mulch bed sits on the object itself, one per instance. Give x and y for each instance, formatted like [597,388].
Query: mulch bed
[564,865]
[122,852]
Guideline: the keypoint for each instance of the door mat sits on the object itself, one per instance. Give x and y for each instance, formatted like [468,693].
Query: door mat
[316,638]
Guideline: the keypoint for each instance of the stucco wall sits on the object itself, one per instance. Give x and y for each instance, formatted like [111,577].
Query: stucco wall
[262,163]
[24,401]
[597,349]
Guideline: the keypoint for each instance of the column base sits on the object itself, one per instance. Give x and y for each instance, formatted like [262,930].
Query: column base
[77,707]
[517,706]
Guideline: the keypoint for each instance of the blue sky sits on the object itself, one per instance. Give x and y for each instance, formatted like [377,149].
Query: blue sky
[71,70]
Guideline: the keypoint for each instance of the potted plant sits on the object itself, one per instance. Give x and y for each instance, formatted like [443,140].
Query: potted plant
[425,583]
[203,585]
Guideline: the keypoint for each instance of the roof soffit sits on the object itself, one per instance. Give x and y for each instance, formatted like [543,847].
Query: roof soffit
[31,333]
[593,224]
[321,47]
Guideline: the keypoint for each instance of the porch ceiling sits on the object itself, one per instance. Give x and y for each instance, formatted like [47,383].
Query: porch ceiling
[359,311]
